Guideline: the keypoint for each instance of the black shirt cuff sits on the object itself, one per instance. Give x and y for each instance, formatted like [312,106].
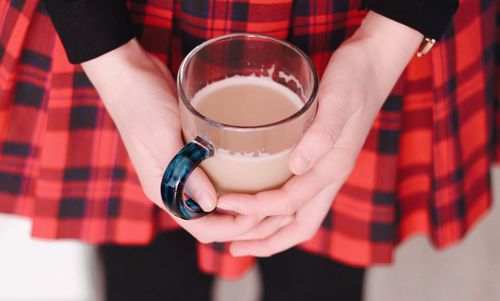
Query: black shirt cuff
[429,17]
[90,28]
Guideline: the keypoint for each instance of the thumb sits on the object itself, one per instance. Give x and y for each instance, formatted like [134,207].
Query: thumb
[319,139]
[201,190]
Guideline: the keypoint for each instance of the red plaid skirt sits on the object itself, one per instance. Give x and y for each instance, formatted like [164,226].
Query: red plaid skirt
[424,168]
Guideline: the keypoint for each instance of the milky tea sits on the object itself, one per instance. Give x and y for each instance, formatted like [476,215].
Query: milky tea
[246,101]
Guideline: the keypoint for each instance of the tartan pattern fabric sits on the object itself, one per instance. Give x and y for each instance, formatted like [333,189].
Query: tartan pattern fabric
[424,167]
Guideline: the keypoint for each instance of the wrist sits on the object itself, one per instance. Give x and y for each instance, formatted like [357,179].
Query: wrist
[387,47]
[388,36]
[114,71]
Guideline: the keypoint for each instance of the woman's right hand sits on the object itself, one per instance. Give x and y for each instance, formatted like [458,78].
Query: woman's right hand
[140,95]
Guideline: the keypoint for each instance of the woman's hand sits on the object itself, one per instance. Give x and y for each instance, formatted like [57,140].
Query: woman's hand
[359,77]
[140,95]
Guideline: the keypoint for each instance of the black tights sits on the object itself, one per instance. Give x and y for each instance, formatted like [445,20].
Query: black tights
[167,270]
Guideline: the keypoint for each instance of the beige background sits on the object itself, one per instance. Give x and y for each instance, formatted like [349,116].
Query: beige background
[65,270]
[468,271]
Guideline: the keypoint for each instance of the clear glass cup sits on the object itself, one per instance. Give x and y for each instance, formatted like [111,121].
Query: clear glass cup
[238,158]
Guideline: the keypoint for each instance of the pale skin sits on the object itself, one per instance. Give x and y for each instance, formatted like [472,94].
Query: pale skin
[140,95]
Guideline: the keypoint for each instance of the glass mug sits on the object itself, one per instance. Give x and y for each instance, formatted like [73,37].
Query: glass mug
[243,159]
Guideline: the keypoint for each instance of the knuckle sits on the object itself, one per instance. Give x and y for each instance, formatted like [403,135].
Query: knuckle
[290,207]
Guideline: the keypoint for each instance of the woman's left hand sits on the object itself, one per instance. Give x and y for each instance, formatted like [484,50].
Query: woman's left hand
[358,78]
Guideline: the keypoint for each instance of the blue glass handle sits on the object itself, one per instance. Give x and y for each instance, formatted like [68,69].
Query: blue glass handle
[176,174]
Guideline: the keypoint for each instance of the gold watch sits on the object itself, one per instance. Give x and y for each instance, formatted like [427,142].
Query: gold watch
[425,46]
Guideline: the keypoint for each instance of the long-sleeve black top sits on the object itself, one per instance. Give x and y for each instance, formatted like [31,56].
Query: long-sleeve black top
[90,28]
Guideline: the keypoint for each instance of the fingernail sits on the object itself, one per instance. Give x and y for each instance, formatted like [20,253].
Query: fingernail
[208,200]
[300,162]
[285,222]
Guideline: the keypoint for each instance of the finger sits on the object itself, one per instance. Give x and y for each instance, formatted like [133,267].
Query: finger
[295,193]
[201,190]
[283,239]
[303,228]
[336,104]
[335,167]
[266,228]
[266,203]
[198,186]
[285,201]
[219,227]
[248,204]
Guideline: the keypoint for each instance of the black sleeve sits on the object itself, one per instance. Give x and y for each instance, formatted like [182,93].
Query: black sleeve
[429,17]
[90,28]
